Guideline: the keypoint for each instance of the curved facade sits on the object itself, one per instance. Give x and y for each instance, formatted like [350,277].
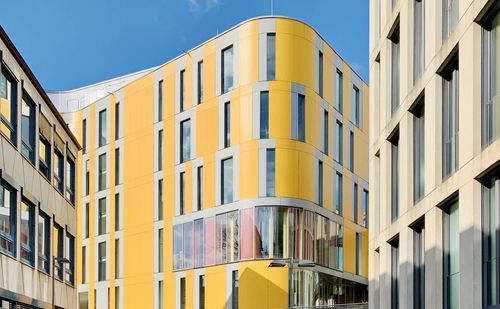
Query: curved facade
[249,148]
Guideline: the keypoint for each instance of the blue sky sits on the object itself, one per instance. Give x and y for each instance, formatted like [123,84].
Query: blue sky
[69,43]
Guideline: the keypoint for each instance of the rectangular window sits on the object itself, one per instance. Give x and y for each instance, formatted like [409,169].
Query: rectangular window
[264,114]
[117,212]
[117,298]
[101,267]
[117,258]
[227,180]
[338,193]
[451,256]
[339,90]
[27,232]
[182,89]
[235,289]
[160,250]
[117,120]
[325,132]
[8,105]
[339,142]
[87,177]
[227,69]
[185,140]
[182,193]
[43,242]
[160,100]
[86,226]
[83,300]
[491,238]
[450,17]
[357,106]
[160,294]
[320,183]
[183,293]
[351,151]
[320,73]
[271,56]
[227,124]
[177,247]
[395,51]
[84,135]
[270,172]
[364,208]
[395,274]
[491,79]
[301,118]
[59,170]
[70,256]
[102,215]
[227,237]
[44,157]
[394,175]
[188,244]
[102,171]
[418,38]
[199,185]
[199,242]
[117,166]
[28,130]
[199,83]
[160,200]
[358,254]
[103,128]
[58,233]
[355,202]
[450,120]
[201,288]
[419,267]
[160,150]
[70,179]
[418,152]
[84,265]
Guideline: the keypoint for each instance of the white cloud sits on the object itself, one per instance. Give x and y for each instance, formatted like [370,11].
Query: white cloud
[210,4]
[195,5]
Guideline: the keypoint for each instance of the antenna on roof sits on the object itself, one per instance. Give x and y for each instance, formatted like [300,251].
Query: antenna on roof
[272,7]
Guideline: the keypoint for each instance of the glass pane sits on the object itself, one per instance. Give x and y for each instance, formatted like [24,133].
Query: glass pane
[270,172]
[227,69]
[188,245]
[209,241]
[247,233]
[103,128]
[262,218]
[186,140]
[199,243]
[271,56]
[264,114]
[227,180]
[177,247]
[301,110]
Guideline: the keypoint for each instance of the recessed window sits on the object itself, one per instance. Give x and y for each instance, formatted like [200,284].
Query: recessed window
[270,172]
[271,56]
[325,132]
[320,73]
[227,237]
[395,55]
[182,198]
[358,254]
[395,274]
[160,250]
[84,265]
[58,233]
[364,208]
[70,256]
[419,267]
[160,200]
[101,261]
[160,150]
[264,114]
[183,293]
[117,259]
[103,128]
[102,216]
[59,170]
[185,140]
[320,183]
[227,124]
[43,242]
[357,106]
[199,186]
[117,166]
[87,177]
[418,38]
[201,289]
[44,153]
[450,117]
[70,178]
[351,151]
[355,202]
[102,166]
[227,180]
[27,232]
[338,188]
[28,131]
[394,140]
[235,289]
[117,120]
[227,78]
[301,118]
[418,151]
[84,135]
[8,105]
[199,83]
[450,17]
[160,100]
[339,90]
[339,142]
[451,256]
[86,222]
[182,90]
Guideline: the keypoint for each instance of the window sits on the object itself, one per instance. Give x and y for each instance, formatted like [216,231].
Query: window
[235,288]
[364,208]
[227,124]
[185,140]
[102,216]
[418,152]
[357,106]
[44,154]
[395,50]
[418,38]
[450,119]
[395,274]
[43,242]
[160,100]
[227,180]
[358,254]
[264,114]
[188,245]
[117,120]
[183,293]
[227,69]
[117,166]
[450,17]
[58,170]
[451,256]
[86,226]
[182,89]
[491,237]
[270,172]
[339,149]
[177,247]
[70,256]
[199,83]
[351,151]
[338,193]
[320,73]
[27,232]
[301,118]
[227,238]
[199,185]
[70,178]
[101,267]
[28,131]
[199,242]
[160,150]
[87,177]
[58,233]
[84,135]
[117,212]
[160,200]
[320,183]
[419,267]
[201,288]
[394,140]
[117,298]
[160,250]
[355,202]
[103,128]
[8,105]
[491,79]
[83,300]
[325,132]
[84,264]
[160,294]
[102,172]
[339,90]
[271,56]
[182,198]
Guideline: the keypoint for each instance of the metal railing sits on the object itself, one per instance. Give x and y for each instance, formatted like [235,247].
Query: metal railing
[337,306]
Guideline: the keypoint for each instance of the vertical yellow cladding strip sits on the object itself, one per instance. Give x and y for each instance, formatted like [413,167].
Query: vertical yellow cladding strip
[111,200]
[248,53]
[138,244]
[215,286]
[91,122]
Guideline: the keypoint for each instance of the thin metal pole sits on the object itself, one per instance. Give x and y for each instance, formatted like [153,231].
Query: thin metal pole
[290,283]
[272,7]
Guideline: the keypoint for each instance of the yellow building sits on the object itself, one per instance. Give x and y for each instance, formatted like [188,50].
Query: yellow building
[196,174]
